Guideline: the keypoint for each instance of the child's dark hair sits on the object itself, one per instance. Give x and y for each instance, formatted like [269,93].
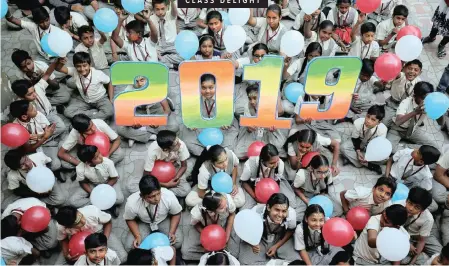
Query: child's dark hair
[297,262]
[118,4]
[208,77]
[211,15]
[81,122]
[12,158]
[252,88]
[40,14]
[156,2]
[140,257]
[211,201]
[148,184]
[84,29]
[81,58]
[339,2]
[137,26]
[422,88]
[276,198]
[414,62]
[62,14]
[325,24]
[206,37]
[420,196]
[396,214]
[260,46]
[95,240]
[400,10]
[341,257]
[268,151]
[10,226]
[19,108]
[18,56]
[86,153]
[305,135]
[219,258]
[388,182]
[429,154]
[314,208]
[66,216]
[378,111]
[20,87]
[367,67]
[212,154]
[312,47]
[367,27]
[165,139]
[445,252]
[274,8]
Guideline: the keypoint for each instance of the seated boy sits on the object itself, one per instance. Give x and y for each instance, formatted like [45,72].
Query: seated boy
[387,30]
[375,200]
[94,48]
[97,252]
[94,169]
[365,249]
[83,126]
[187,20]
[383,12]
[90,83]
[364,46]
[69,21]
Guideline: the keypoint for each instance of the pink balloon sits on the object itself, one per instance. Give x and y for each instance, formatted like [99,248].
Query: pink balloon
[100,140]
[368,6]
[265,188]
[213,237]
[163,171]
[338,232]
[409,30]
[255,148]
[14,135]
[388,66]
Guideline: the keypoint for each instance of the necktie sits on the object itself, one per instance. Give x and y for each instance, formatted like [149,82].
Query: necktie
[162,30]
[30,128]
[91,58]
[407,87]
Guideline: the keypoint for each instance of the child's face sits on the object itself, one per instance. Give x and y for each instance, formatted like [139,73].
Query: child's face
[419,100]
[321,172]
[417,157]
[311,56]
[315,221]
[413,208]
[368,37]
[273,162]
[160,9]
[207,48]
[344,8]
[83,69]
[68,24]
[91,129]
[44,24]
[278,213]
[258,55]
[81,222]
[222,207]
[222,162]
[26,164]
[412,71]
[96,255]
[132,36]
[399,20]
[32,112]
[364,77]
[382,194]
[214,24]
[253,98]
[326,34]
[140,82]
[273,19]
[371,121]
[305,147]
[31,94]
[88,39]
[27,66]
[98,159]
[208,89]
[153,198]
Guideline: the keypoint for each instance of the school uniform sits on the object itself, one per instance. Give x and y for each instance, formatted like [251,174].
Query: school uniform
[245,138]
[363,50]
[74,138]
[219,43]
[77,21]
[384,29]
[216,56]
[208,110]
[252,174]
[187,19]
[206,173]
[366,98]
[330,47]
[97,55]
[253,32]
[363,197]
[343,20]
[143,51]
[111,258]
[439,192]
[383,12]
[430,260]
[37,33]
[317,255]
[269,37]
[299,21]
[232,260]
[365,135]
[15,248]
[240,96]
[271,235]
[96,175]
[152,217]
[404,171]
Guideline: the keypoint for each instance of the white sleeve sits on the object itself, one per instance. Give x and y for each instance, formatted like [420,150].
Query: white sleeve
[373,224]
[175,207]
[246,174]
[323,141]
[111,168]
[105,128]
[401,153]
[203,178]
[300,179]
[103,78]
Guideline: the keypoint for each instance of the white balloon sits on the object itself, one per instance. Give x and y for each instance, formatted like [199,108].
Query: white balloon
[234,38]
[40,179]
[378,149]
[393,244]
[309,6]
[239,16]
[292,43]
[103,196]
[385,1]
[248,225]
[60,42]
[408,48]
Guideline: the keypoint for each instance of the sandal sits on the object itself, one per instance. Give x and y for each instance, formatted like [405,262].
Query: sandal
[441,51]
[427,40]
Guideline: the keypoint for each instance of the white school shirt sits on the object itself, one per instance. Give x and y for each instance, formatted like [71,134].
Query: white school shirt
[156,153]
[363,197]
[300,179]
[361,248]
[419,224]
[299,20]
[111,258]
[204,175]
[93,83]
[232,260]
[74,136]
[144,51]
[290,220]
[251,167]
[444,161]
[407,106]
[77,22]
[98,174]
[402,88]
[170,28]
[98,55]
[363,50]
[42,103]
[136,207]
[323,141]
[242,61]
[36,125]
[313,241]
[22,205]
[15,177]
[188,14]
[422,178]
[122,33]
[15,248]
[294,68]
[325,45]
[40,68]
[386,9]
[334,20]
[385,28]
[95,220]
[365,91]
[262,24]
[37,34]
[361,131]
[197,215]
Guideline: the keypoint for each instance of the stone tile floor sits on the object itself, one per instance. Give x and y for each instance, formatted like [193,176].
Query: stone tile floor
[131,167]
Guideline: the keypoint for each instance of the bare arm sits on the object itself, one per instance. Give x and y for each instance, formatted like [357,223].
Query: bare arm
[174,222]
[229,225]
[336,151]
[134,228]
[63,154]
[286,237]
[301,195]
[50,70]
[115,145]
[419,249]
[344,201]
[174,9]
[388,169]
[181,170]
[103,37]
[107,227]
[85,185]
[112,180]
[441,177]
[247,187]
[199,227]
[305,257]
[372,237]
[308,29]
[115,34]
[12,19]
[251,21]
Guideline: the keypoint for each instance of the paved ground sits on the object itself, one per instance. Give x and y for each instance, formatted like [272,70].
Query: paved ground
[131,167]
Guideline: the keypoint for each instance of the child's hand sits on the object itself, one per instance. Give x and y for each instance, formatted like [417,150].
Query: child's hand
[356,110]
[137,241]
[172,238]
[154,126]
[395,31]
[121,15]
[173,183]
[307,18]
[225,127]
[72,258]
[361,158]
[272,251]
[235,190]
[413,250]
[12,262]
[251,128]
[146,14]
[34,137]
[49,130]
[137,126]
[256,249]
[77,8]
[335,170]
[227,56]
[272,129]
[62,60]
[355,96]
[287,61]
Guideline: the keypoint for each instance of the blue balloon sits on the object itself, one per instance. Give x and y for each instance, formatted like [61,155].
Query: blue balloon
[324,202]
[133,6]
[401,193]
[2,262]
[211,136]
[46,47]
[225,17]
[293,91]
[222,182]
[186,44]
[155,240]
[105,20]
[4,8]
[436,105]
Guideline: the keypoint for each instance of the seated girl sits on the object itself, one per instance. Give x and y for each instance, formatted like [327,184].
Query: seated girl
[207,52]
[323,36]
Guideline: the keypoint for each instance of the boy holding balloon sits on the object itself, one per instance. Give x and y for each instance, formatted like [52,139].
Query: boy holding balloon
[387,30]
[69,22]
[97,252]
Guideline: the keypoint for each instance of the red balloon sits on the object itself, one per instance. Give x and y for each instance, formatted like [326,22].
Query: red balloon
[338,232]
[100,140]
[265,188]
[409,30]
[35,219]
[14,135]
[368,6]
[308,157]
[213,238]
[163,171]
[358,217]
[388,66]
[76,243]
[255,148]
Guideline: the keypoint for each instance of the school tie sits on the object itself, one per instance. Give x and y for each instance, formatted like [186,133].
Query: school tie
[30,128]
[91,58]
[162,30]
[407,87]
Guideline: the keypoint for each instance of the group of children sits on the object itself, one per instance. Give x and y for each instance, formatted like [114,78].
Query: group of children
[78,88]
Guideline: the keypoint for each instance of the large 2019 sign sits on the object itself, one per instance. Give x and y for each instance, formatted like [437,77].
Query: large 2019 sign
[268,72]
